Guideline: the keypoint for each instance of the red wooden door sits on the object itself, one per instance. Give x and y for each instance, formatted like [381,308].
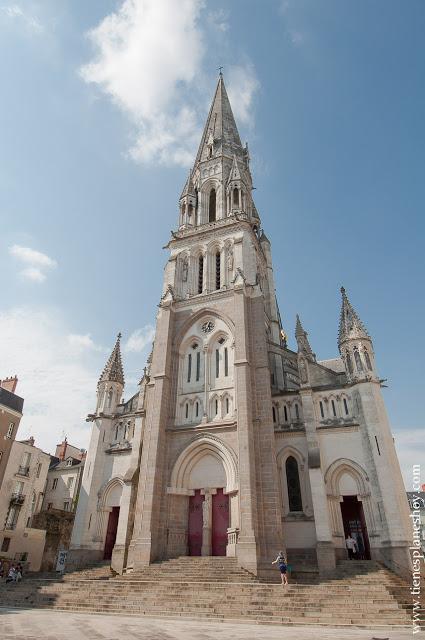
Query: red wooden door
[195,523]
[111,532]
[220,522]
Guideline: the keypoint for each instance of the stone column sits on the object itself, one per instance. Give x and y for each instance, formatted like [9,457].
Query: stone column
[206,523]
[119,550]
[324,545]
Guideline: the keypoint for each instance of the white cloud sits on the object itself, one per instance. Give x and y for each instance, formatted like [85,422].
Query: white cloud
[410,447]
[38,262]
[15,12]
[150,61]
[81,342]
[57,382]
[139,339]
[243,84]
[219,20]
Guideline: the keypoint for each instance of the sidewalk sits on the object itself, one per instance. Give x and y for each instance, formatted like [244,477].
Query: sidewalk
[56,625]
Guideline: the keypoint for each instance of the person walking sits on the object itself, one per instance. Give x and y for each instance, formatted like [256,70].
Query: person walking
[283,567]
[351,545]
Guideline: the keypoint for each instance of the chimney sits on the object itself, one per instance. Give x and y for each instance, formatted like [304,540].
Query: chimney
[9,384]
[61,449]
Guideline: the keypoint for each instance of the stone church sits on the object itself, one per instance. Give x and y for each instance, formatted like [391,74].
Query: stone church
[235,444]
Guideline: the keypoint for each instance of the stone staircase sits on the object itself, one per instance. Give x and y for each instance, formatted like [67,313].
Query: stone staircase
[362,594]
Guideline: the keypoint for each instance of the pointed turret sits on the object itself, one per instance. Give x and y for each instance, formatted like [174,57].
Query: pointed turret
[220,131]
[220,181]
[113,371]
[354,343]
[302,341]
[350,325]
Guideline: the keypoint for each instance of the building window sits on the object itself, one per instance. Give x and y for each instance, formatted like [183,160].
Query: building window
[212,206]
[358,360]
[89,522]
[377,446]
[189,367]
[274,414]
[196,409]
[55,484]
[322,411]
[200,274]
[216,407]
[349,362]
[49,506]
[345,406]
[285,413]
[69,462]
[5,544]
[217,363]
[227,406]
[66,506]
[10,430]
[39,466]
[226,362]
[293,484]
[70,483]
[333,408]
[186,411]
[217,270]
[367,358]
[236,197]
[198,365]
[297,412]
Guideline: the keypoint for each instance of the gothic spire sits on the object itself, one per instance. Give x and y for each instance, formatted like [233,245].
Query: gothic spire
[113,371]
[302,340]
[188,188]
[350,325]
[220,130]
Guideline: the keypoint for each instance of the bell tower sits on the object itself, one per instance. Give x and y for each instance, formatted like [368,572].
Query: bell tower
[209,432]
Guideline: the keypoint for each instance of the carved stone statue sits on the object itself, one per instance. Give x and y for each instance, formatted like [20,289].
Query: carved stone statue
[206,512]
[185,269]
[230,259]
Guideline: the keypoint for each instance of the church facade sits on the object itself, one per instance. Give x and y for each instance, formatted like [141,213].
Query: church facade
[235,444]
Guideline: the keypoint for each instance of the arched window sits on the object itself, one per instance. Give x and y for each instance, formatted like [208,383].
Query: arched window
[216,407]
[116,432]
[190,210]
[226,362]
[274,414]
[297,412]
[367,358]
[227,406]
[186,410]
[212,206]
[236,197]
[201,274]
[285,413]
[196,409]
[198,365]
[217,270]
[217,363]
[333,408]
[109,399]
[358,360]
[345,406]
[322,411]
[293,484]
[349,362]
[189,367]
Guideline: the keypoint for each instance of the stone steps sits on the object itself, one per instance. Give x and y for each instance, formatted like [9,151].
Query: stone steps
[218,589]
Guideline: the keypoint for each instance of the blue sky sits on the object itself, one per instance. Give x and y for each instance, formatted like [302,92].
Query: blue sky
[101,111]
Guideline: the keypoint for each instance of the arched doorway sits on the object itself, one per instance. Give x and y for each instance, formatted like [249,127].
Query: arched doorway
[205,472]
[354,524]
[110,501]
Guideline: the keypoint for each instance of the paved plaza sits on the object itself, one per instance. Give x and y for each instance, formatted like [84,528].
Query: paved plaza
[57,625]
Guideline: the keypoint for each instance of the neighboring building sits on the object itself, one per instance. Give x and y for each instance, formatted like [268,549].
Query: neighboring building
[10,415]
[235,444]
[64,478]
[21,498]
[417,504]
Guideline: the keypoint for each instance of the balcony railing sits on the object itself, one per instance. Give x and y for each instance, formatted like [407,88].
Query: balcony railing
[17,498]
[23,471]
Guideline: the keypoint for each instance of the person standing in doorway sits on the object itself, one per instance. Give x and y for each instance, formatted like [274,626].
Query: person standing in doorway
[350,543]
[283,567]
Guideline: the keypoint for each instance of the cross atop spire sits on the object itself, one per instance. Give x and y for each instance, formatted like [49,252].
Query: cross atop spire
[302,340]
[350,325]
[220,131]
[113,371]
